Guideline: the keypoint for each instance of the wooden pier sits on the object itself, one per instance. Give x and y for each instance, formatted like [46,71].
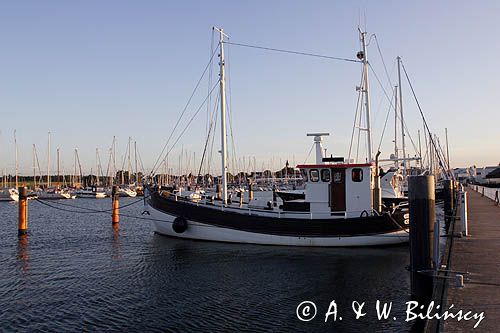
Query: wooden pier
[479,255]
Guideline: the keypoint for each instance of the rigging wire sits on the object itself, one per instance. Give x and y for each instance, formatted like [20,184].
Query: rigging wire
[293,52]
[184,110]
[209,134]
[309,154]
[385,124]
[448,173]
[189,123]
[358,109]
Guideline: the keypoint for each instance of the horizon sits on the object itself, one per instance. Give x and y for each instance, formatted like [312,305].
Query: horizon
[87,72]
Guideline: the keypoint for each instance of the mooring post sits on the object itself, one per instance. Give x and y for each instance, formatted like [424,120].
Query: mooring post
[448,200]
[240,197]
[435,247]
[22,228]
[275,196]
[218,193]
[421,196]
[115,216]
[463,213]
[250,192]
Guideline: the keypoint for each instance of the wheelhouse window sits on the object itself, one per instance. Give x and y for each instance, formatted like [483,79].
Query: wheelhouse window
[304,174]
[357,175]
[314,174]
[325,175]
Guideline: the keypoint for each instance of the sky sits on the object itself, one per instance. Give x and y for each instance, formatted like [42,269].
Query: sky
[86,71]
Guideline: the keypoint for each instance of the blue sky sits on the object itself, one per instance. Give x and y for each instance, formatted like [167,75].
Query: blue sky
[88,70]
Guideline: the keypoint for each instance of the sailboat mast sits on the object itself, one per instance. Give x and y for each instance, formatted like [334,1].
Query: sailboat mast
[222,82]
[97,167]
[34,169]
[58,168]
[129,167]
[136,169]
[48,160]
[17,162]
[396,153]
[366,91]
[402,118]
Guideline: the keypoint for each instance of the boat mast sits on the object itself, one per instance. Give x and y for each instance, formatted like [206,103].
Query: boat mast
[97,167]
[48,160]
[34,169]
[366,91]
[129,163]
[402,119]
[17,162]
[58,172]
[136,170]
[223,117]
[396,153]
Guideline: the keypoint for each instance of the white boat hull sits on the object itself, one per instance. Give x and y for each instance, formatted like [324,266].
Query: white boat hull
[163,225]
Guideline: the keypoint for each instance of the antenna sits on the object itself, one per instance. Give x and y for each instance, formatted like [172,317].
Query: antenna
[318,139]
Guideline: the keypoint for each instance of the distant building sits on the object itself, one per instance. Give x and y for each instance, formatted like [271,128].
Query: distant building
[481,175]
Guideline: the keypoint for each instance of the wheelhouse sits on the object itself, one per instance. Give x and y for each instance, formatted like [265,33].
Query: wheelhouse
[338,188]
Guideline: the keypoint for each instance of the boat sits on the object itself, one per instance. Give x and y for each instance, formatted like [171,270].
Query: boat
[342,204]
[122,192]
[91,192]
[9,194]
[54,193]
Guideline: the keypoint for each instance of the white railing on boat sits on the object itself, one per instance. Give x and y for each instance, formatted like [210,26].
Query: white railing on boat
[234,207]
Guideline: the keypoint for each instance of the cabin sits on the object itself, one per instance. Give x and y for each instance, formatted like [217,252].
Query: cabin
[338,188]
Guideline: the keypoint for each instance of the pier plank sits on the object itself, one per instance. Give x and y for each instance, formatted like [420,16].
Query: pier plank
[479,255]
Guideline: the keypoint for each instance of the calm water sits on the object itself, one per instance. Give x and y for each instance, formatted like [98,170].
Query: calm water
[76,272]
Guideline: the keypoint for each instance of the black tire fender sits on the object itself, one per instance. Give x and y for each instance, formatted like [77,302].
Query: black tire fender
[180,225]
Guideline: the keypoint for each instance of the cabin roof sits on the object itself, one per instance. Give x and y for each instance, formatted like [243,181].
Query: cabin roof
[324,166]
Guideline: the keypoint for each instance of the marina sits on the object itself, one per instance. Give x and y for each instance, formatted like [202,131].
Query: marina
[295,177]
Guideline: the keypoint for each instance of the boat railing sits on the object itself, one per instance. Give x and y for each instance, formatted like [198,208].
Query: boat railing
[262,212]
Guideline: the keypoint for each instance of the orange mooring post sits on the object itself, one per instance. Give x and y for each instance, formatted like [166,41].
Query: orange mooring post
[115,216]
[22,228]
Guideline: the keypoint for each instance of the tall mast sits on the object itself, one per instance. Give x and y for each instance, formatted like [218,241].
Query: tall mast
[223,117]
[58,172]
[366,91]
[48,160]
[136,170]
[97,167]
[34,169]
[402,118]
[396,153]
[129,164]
[17,163]
[447,150]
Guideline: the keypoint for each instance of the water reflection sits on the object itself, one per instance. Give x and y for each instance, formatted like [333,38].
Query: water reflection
[116,251]
[23,253]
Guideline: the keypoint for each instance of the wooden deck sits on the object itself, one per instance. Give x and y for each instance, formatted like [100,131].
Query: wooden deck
[478,254]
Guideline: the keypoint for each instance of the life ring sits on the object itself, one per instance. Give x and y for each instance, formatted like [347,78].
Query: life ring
[180,225]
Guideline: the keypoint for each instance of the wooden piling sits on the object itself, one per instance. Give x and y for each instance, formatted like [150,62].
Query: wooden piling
[115,216]
[275,196]
[250,192]
[421,196]
[218,193]
[22,228]
[448,200]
